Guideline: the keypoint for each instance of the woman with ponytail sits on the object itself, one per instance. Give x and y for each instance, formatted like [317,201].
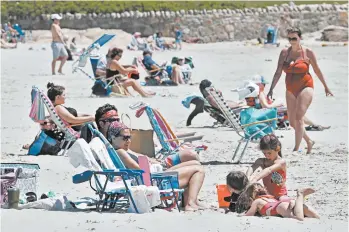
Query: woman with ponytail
[273,167]
[57,95]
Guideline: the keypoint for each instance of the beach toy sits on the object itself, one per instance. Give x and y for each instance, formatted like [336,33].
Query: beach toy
[222,192]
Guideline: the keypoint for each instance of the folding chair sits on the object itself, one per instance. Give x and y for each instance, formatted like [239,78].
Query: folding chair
[167,182]
[243,130]
[170,142]
[109,190]
[37,113]
[81,62]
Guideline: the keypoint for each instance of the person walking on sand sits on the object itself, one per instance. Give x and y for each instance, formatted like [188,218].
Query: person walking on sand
[295,62]
[57,45]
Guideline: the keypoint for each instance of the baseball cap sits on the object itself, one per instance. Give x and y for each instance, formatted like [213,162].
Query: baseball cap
[56,16]
[259,79]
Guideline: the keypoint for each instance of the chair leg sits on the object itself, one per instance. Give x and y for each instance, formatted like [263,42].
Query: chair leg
[237,149]
[132,201]
[243,151]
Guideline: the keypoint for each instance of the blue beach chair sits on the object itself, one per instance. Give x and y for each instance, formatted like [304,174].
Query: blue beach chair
[167,182]
[110,193]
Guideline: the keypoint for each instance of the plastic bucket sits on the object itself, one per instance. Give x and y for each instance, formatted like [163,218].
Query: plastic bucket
[222,191]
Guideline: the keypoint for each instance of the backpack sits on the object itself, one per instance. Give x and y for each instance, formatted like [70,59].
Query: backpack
[99,88]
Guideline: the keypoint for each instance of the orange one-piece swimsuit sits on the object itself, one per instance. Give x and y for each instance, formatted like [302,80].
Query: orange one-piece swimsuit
[297,75]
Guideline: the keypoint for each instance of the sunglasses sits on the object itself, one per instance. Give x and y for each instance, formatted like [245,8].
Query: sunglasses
[125,137]
[292,39]
[110,120]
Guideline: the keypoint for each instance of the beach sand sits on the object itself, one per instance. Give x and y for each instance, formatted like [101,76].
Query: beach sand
[227,65]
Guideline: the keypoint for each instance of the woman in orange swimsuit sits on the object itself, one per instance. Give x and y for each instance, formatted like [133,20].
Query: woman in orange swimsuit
[295,62]
[258,200]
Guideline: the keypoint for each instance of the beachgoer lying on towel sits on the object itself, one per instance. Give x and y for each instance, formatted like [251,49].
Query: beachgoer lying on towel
[263,102]
[137,43]
[108,113]
[120,73]
[190,174]
[153,67]
[257,200]
[57,95]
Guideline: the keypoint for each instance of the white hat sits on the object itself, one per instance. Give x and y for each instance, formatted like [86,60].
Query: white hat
[137,34]
[56,16]
[258,79]
[250,89]
[181,58]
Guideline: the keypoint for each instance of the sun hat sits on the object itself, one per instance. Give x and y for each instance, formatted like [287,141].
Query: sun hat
[137,34]
[56,16]
[259,79]
[249,89]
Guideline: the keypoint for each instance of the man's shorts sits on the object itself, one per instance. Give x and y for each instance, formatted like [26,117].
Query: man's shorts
[58,50]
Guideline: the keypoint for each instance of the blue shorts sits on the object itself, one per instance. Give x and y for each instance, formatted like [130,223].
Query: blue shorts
[58,50]
[178,41]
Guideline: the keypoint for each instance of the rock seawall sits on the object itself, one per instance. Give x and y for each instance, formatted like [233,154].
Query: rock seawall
[207,25]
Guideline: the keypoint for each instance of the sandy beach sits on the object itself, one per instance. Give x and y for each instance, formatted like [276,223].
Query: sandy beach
[227,65]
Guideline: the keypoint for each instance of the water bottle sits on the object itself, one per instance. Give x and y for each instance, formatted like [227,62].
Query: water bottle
[13,198]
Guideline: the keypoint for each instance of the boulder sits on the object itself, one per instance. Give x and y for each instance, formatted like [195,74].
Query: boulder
[335,34]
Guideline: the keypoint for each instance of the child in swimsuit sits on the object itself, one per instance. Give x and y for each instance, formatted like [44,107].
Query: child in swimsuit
[258,200]
[273,167]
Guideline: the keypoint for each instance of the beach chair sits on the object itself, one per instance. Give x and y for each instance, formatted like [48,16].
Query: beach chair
[21,33]
[167,182]
[111,186]
[81,62]
[250,131]
[170,142]
[37,113]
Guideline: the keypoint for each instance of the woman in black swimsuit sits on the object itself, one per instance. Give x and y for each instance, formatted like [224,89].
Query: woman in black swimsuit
[56,94]
[115,68]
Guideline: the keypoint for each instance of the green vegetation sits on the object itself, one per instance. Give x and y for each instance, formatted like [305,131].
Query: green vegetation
[36,8]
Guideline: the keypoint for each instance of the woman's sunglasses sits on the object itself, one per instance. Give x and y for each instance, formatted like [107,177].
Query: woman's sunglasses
[292,39]
[125,137]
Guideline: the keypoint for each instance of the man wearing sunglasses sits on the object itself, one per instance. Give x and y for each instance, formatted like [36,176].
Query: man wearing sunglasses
[104,116]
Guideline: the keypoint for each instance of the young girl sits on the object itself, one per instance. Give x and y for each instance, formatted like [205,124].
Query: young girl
[258,200]
[273,167]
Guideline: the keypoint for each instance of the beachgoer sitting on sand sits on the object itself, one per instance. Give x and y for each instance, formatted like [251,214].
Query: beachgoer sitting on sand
[151,65]
[263,102]
[108,113]
[271,169]
[6,45]
[190,174]
[161,43]
[257,199]
[137,43]
[236,181]
[57,95]
[120,72]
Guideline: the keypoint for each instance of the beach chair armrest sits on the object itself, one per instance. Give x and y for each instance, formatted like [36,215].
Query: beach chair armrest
[259,122]
[181,135]
[82,177]
[187,139]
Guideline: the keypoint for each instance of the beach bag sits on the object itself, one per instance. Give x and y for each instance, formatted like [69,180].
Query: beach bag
[44,144]
[142,142]
[251,115]
[145,198]
[99,88]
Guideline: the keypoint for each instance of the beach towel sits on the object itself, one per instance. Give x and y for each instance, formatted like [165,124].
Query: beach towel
[80,154]
[251,115]
[100,152]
